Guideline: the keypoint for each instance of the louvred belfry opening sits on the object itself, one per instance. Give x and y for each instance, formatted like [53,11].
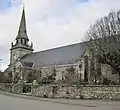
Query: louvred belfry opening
[21,46]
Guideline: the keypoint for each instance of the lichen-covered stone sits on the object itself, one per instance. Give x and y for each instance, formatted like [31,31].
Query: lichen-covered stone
[64,91]
[86,92]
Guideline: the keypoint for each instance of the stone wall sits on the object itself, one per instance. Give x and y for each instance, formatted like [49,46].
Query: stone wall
[16,88]
[64,91]
[84,92]
[106,71]
[6,87]
[101,92]
[42,90]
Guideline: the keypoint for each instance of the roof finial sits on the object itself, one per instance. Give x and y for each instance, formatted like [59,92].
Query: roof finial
[23,5]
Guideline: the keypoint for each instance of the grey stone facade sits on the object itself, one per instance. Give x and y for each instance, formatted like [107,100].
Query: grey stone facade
[21,47]
[23,60]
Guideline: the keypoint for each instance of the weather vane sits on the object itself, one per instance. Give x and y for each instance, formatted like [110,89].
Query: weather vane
[23,3]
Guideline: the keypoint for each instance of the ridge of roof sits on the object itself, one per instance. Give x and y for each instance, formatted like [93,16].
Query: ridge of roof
[54,48]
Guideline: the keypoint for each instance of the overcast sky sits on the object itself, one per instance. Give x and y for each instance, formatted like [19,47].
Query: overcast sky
[50,23]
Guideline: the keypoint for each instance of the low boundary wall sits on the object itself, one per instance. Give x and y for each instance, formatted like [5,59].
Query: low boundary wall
[81,92]
[111,92]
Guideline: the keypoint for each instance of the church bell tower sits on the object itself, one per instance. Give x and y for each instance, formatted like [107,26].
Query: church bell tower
[21,47]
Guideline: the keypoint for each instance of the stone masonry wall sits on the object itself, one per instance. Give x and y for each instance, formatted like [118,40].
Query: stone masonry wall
[101,92]
[84,92]
[65,91]
[16,88]
[6,87]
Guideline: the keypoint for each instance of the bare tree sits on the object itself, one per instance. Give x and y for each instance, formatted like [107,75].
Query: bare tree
[104,39]
[49,78]
[70,75]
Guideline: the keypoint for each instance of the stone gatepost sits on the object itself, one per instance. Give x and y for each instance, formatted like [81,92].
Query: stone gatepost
[13,88]
[19,86]
[33,87]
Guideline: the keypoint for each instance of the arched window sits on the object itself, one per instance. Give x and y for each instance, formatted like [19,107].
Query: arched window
[114,71]
[21,41]
[25,42]
[17,42]
[25,31]
[86,68]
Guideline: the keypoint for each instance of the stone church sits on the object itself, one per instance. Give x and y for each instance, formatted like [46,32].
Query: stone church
[23,60]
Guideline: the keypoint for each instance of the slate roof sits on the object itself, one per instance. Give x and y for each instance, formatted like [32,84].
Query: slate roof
[61,55]
[27,64]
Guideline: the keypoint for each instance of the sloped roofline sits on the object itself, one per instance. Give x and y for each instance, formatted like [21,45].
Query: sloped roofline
[54,48]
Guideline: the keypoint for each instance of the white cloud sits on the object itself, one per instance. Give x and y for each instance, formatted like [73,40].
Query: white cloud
[52,23]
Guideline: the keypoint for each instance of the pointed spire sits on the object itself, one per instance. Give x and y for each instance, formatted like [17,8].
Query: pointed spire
[22,32]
